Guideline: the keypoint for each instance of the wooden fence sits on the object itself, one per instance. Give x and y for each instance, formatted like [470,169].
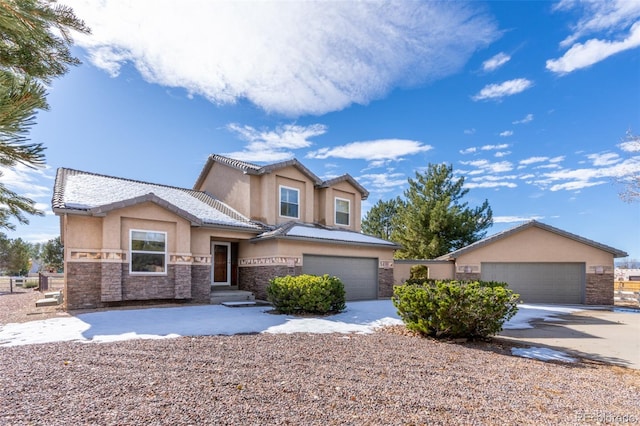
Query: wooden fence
[626,292]
[44,282]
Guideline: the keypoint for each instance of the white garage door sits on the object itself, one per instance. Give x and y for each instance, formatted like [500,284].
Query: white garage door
[540,282]
[358,274]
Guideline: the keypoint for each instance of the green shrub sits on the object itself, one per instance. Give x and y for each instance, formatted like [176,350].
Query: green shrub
[307,294]
[419,272]
[454,309]
[30,284]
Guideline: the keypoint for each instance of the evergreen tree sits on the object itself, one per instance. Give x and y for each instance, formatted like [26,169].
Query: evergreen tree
[378,220]
[34,49]
[433,220]
[53,254]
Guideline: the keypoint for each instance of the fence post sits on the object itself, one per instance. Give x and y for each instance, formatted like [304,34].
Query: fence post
[11,284]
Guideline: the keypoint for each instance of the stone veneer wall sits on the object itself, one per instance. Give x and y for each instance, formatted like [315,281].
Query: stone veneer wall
[98,284]
[385,283]
[467,276]
[256,278]
[201,283]
[142,287]
[111,282]
[599,289]
[82,285]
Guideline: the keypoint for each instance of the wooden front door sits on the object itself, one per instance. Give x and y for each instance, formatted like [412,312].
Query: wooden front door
[221,263]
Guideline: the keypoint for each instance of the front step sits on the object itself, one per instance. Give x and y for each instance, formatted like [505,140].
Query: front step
[50,299]
[220,296]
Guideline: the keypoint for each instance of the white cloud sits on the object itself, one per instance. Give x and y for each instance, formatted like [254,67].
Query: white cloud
[291,58]
[582,55]
[527,119]
[381,149]
[533,160]
[501,154]
[576,179]
[273,145]
[485,166]
[468,150]
[513,219]
[605,159]
[496,62]
[383,182]
[469,131]
[490,184]
[630,145]
[506,133]
[494,147]
[599,16]
[506,88]
[26,181]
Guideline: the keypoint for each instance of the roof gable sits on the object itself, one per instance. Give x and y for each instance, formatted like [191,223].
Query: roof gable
[78,192]
[346,178]
[253,169]
[533,223]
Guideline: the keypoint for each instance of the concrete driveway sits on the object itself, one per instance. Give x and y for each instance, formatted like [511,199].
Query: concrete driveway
[602,334]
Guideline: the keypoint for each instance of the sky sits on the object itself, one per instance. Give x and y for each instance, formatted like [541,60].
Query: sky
[530,102]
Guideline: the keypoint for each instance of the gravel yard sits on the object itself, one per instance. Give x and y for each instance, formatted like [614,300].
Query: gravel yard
[386,378]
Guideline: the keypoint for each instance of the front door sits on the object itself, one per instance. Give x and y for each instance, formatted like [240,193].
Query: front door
[221,262]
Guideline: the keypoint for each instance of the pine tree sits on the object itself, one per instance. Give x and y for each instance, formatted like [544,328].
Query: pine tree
[34,49]
[379,219]
[432,220]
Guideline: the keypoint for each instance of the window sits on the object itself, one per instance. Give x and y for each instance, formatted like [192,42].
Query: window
[289,202]
[342,211]
[148,252]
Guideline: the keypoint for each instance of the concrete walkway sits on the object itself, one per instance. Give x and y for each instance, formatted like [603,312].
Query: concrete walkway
[599,334]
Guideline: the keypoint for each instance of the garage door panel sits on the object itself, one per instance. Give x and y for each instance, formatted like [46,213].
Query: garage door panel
[540,282]
[358,274]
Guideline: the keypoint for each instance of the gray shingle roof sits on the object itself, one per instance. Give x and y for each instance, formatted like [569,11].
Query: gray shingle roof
[533,223]
[89,193]
[319,233]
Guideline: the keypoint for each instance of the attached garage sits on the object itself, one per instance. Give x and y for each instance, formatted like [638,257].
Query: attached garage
[358,274]
[542,282]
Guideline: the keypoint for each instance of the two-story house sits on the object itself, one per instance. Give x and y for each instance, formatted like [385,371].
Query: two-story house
[241,225]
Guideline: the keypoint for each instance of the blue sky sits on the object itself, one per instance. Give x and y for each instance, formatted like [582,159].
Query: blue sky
[529,101]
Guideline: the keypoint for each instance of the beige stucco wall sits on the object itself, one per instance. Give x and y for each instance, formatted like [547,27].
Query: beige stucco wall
[201,239]
[438,270]
[231,186]
[326,204]
[291,178]
[536,245]
[82,231]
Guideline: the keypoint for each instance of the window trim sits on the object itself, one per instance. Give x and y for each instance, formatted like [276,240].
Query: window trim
[132,251]
[280,188]
[335,213]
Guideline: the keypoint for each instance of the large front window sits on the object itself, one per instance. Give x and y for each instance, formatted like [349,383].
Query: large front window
[148,252]
[289,202]
[342,211]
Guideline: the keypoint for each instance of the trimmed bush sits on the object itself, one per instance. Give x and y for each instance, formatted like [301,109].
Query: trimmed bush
[419,272]
[455,309]
[307,294]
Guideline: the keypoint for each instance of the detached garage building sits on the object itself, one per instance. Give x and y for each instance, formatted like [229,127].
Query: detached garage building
[541,263]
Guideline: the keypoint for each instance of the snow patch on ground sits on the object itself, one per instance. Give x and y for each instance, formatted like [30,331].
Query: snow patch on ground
[209,320]
[543,354]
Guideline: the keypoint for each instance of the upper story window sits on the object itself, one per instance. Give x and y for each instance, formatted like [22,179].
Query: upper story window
[148,252]
[289,202]
[342,211]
